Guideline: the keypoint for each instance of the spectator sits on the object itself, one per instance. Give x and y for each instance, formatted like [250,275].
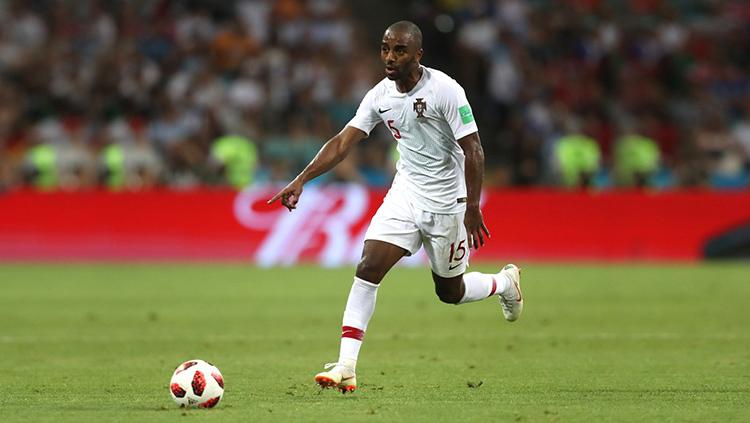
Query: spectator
[722,156]
[578,158]
[297,146]
[40,167]
[741,131]
[232,46]
[636,160]
[236,160]
[129,161]
[172,134]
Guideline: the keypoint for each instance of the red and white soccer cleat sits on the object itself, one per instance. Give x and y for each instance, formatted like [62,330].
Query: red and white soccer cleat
[337,376]
[511,299]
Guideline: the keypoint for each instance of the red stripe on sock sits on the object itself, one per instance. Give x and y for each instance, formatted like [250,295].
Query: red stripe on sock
[352,332]
[494,287]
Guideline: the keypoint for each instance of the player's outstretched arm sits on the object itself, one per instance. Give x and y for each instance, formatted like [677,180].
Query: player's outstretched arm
[332,152]
[474,169]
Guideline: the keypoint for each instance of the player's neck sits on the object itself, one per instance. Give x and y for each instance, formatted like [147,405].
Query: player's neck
[407,84]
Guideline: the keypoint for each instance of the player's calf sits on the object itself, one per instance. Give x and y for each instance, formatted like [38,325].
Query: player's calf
[475,286]
[449,290]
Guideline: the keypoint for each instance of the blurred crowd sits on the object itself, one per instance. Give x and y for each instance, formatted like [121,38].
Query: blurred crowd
[598,94]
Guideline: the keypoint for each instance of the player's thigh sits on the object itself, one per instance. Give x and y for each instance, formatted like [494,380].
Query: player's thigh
[444,238]
[395,223]
[392,234]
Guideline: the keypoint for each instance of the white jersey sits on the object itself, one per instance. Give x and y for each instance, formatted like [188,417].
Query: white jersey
[426,122]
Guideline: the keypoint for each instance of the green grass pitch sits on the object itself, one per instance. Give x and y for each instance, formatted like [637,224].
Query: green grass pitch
[596,343]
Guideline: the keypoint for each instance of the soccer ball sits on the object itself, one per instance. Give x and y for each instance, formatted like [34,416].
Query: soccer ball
[196,383]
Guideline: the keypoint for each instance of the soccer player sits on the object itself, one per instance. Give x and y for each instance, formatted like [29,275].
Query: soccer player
[433,201]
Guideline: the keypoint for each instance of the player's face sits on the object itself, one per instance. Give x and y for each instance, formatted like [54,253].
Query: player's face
[399,54]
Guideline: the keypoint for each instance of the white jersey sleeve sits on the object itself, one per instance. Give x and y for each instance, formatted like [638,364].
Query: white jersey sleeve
[366,118]
[457,111]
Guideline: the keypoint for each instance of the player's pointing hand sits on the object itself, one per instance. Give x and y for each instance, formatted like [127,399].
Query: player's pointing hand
[289,195]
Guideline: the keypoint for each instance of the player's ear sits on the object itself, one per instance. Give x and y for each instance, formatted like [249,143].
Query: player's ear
[418,55]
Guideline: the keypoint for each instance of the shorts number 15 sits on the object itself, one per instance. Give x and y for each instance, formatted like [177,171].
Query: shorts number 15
[457,253]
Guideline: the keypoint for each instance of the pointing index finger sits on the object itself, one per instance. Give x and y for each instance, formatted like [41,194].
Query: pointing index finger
[275,197]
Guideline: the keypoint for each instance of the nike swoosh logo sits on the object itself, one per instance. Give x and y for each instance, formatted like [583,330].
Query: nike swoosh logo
[384,110]
[520,298]
[453,267]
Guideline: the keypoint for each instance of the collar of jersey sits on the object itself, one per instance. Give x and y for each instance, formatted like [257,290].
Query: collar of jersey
[422,80]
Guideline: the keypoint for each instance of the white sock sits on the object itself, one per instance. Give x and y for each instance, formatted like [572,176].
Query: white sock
[478,286]
[359,309]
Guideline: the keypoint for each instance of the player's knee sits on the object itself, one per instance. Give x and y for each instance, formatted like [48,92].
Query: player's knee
[369,271]
[449,296]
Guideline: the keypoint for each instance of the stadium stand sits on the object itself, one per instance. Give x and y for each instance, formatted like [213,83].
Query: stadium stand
[133,95]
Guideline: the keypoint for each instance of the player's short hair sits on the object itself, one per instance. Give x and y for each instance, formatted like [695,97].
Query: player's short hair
[410,28]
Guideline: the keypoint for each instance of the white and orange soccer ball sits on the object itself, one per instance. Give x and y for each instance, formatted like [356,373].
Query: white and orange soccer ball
[197,383]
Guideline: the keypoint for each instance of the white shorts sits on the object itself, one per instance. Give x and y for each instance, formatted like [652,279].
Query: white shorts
[399,223]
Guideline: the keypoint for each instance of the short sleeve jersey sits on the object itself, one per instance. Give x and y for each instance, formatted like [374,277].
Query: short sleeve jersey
[426,122]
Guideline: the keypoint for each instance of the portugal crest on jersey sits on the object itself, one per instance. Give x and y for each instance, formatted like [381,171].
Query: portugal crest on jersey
[420,107]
